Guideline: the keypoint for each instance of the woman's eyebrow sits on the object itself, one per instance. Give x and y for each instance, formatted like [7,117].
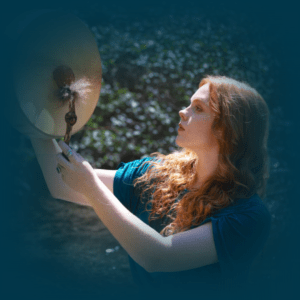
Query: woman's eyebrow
[199,100]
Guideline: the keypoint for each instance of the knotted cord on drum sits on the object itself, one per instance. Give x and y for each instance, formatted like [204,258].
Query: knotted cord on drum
[70,118]
[64,77]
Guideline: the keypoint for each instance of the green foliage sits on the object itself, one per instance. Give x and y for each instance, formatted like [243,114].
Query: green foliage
[122,126]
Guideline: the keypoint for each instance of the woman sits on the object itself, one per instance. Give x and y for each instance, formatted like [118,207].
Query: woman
[194,218]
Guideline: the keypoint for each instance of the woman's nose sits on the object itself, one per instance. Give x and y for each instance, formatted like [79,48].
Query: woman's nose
[182,114]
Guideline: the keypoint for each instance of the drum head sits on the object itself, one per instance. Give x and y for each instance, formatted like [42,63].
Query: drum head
[53,42]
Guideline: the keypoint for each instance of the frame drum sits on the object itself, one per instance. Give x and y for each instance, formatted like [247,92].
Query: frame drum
[52,49]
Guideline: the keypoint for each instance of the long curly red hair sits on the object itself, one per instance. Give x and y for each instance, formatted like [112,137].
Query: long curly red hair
[241,127]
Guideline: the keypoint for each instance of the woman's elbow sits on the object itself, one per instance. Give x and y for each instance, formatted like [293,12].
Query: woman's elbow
[153,258]
[158,266]
[150,264]
[158,260]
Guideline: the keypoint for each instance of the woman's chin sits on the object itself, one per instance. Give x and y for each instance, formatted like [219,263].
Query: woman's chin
[180,141]
[177,142]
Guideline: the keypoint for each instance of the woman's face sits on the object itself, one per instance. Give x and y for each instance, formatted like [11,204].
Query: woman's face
[196,121]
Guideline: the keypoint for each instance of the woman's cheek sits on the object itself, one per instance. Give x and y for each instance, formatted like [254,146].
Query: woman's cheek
[205,118]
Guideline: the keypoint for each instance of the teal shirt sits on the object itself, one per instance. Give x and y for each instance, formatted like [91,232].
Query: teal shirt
[240,231]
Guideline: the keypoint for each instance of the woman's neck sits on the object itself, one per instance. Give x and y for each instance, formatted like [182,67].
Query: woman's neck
[207,163]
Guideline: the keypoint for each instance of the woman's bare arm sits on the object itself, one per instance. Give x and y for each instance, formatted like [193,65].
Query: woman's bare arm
[183,251]
[107,177]
[189,249]
[46,151]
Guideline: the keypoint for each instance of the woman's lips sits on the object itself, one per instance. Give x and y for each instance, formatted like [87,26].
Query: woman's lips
[180,128]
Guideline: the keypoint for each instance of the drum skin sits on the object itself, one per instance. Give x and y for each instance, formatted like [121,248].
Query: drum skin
[50,42]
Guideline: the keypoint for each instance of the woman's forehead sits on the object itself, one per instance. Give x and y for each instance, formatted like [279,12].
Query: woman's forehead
[202,94]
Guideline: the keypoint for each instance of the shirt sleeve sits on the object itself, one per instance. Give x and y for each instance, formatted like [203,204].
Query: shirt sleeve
[239,237]
[123,181]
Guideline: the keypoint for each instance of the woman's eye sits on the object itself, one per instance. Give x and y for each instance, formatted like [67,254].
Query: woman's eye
[197,108]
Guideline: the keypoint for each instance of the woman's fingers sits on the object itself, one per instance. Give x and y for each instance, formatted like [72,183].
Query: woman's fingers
[62,161]
[59,168]
[69,154]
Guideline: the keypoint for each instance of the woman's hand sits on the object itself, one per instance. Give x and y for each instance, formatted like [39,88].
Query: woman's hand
[77,173]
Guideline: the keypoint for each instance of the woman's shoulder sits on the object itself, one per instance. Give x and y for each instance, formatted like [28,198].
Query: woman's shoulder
[125,175]
[251,204]
[252,208]
[128,171]
[240,231]
[136,166]
[135,163]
